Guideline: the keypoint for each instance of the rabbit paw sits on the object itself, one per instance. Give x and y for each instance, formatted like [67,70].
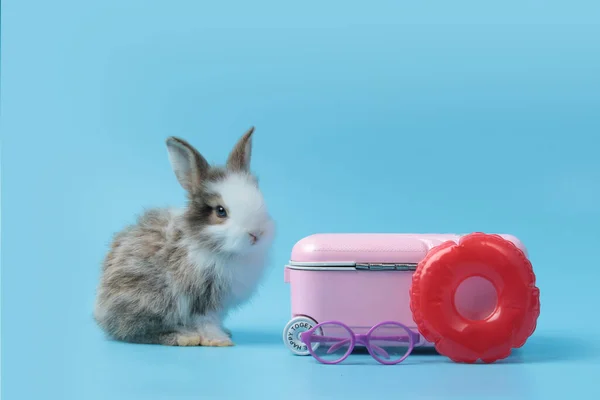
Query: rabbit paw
[216,342]
[189,340]
[214,336]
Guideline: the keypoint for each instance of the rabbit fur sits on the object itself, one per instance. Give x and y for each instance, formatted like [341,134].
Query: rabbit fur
[173,276]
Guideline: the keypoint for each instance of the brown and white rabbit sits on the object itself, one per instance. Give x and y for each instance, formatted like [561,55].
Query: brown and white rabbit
[172,277]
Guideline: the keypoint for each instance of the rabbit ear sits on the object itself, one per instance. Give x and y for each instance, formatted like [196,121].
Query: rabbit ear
[239,158]
[189,166]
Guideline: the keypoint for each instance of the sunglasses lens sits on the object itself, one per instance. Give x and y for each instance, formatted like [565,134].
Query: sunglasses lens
[390,343]
[331,343]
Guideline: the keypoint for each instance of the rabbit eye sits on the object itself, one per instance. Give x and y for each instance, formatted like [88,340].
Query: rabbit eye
[221,212]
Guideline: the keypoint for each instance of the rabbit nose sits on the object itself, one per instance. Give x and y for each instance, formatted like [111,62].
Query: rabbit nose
[254,236]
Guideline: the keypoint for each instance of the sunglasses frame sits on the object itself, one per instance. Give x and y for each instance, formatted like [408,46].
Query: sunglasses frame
[361,339]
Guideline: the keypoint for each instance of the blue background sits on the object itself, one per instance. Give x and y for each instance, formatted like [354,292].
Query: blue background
[437,116]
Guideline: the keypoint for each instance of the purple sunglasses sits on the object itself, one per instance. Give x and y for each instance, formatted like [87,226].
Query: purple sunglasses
[388,342]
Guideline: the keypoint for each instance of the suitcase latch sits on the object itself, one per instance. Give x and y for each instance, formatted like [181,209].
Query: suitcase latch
[386,267]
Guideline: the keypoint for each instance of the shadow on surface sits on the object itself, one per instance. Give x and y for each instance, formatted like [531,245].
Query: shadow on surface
[538,349]
[423,355]
[552,348]
[425,351]
[249,338]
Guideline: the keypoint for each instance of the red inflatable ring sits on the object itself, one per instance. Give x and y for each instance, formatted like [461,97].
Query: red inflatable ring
[437,278]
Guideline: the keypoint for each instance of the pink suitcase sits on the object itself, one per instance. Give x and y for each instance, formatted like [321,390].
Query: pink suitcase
[363,279]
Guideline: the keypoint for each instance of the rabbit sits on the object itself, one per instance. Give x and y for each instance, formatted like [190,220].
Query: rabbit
[173,276]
